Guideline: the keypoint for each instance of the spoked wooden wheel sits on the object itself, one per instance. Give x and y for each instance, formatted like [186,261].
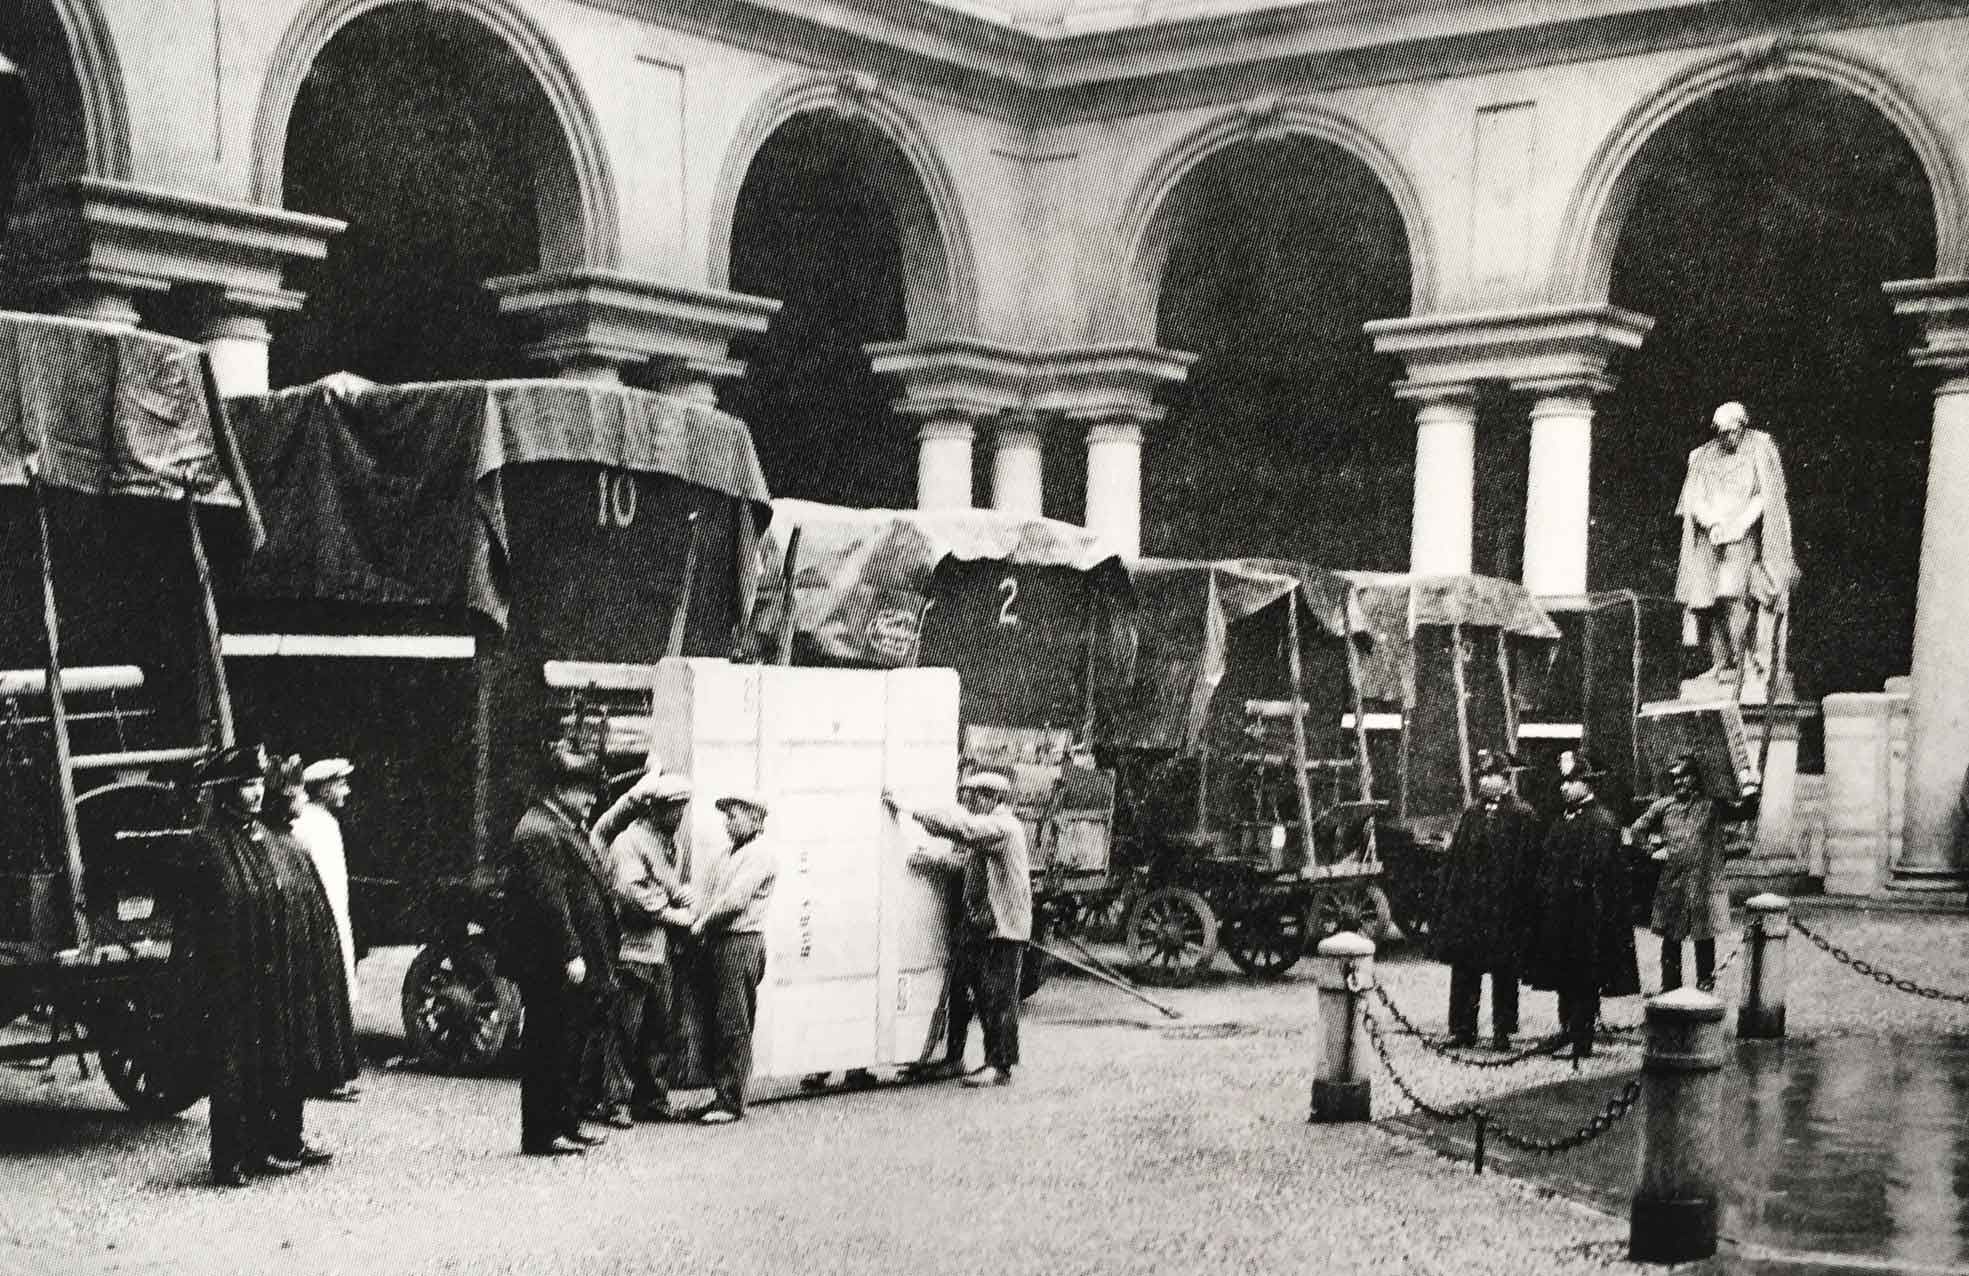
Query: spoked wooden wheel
[1360,907]
[152,1084]
[1172,934]
[457,1014]
[1266,940]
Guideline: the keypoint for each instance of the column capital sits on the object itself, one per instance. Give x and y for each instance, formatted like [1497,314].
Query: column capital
[1460,396]
[1583,388]
[1940,308]
[1050,380]
[91,235]
[593,318]
[1565,344]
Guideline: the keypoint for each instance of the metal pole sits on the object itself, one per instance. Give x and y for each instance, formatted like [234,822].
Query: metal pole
[1340,1090]
[58,722]
[1300,788]
[1760,1015]
[678,618]
[784,647]
[1677,1205]
[1462,710]
[215,661]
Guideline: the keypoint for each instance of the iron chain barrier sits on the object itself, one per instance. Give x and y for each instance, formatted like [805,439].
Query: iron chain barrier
[1605,1029]
[1538,1049]
[1884,978]
[1486,1121]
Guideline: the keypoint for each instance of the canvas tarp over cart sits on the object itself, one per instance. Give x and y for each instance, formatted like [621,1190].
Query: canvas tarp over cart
[116,466]
[1246,814]
[1452,670]
[1033,614]
[430,549]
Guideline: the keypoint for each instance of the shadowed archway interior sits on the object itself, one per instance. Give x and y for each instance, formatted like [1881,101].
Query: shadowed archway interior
[419,128]
[1285,440]
[1764,221]
[815,229]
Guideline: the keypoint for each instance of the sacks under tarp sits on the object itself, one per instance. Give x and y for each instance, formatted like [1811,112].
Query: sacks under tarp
[864,575]
[107,410]
[396,494]
[1185,610]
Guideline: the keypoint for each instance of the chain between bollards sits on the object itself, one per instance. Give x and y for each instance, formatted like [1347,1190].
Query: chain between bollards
[1882,977]
[1540,1048]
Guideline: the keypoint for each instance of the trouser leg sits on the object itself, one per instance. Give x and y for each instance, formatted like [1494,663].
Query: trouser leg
[1503,1003]
[965,976]
[1671,964]
[1705,961]
[1579,1010]
[1465,987]
[228,1126]
[654,1039]
[740,965]
[547,1074]
[284,1118]
[629,1025]
[999,1003]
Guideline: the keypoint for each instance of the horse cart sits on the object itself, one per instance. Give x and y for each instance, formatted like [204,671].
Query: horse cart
[442,562]
[1033,614]
[115,465]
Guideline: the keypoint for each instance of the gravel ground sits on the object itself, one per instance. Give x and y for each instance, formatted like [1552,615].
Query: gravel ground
[1131,1143]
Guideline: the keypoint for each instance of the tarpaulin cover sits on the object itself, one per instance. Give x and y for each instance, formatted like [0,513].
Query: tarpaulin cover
[1395,605]
[392,493]
[108,410]
[864,575]
[1184,613]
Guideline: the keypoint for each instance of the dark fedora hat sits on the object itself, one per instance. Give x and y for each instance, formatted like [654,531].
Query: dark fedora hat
[234,764]
[1497,762]
[1579,765]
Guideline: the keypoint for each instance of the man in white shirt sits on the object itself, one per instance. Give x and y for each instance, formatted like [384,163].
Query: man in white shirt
[319,832]
[732,924]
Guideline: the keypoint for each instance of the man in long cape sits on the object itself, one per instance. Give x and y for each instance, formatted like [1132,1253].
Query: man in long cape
[1736,537]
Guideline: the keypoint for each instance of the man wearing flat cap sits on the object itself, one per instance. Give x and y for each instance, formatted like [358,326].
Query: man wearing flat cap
[325,791]
[1482,903]
[559,945]
[639,836]
[732,925]
[263,972]
[1583,945]
[1686,832]
[996,920]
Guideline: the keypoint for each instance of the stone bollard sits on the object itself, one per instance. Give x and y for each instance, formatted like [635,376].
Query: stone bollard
[1677,1207]
[1341,1090]
[1760,1015]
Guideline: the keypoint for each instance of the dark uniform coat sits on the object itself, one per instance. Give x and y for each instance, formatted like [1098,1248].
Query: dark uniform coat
[261,961]
[1484,886]
[559,902]
[1583,937]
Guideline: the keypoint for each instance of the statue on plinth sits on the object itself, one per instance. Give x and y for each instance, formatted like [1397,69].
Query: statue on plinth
[1736,548]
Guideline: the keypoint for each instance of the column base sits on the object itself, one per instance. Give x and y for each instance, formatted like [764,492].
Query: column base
[1929,881]
[1338,1101]
[1672,1231]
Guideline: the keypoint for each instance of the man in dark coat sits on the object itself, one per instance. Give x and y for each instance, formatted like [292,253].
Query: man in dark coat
[263,966]
[559,947]
[1484,889]
[1583,944]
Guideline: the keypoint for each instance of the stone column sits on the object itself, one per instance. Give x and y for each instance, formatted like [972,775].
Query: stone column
[1017,466]
[594,324]
[945,432]
[1442,527]
[949,386]
[1558,485]
[1114,476]
[233,325]
[1938,735]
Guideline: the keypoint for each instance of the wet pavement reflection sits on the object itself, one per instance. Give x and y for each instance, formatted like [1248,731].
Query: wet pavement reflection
[1843,1147]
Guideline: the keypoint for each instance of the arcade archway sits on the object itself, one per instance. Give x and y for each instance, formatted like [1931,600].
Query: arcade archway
[1762,222]
[430,136]
[816,224]
[1285,439]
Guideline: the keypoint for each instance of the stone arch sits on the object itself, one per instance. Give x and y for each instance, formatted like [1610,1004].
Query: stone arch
[574,232]
[1597,211]
[939,271]
[1154,213]
[75,84]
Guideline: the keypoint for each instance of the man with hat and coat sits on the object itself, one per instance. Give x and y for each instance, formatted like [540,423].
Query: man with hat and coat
[639,835]
[1583,944]
[263,969]
[324,792]
[996,921]
[732,925]
[559,947]
[1483,902]
[1686,832]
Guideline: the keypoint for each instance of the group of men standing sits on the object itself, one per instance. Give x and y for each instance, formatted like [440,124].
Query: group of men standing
[1548,903]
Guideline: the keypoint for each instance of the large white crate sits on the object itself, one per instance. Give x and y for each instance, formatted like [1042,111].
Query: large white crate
[856,939]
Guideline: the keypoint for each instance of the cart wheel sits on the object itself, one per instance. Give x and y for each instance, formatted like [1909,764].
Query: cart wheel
[457,1013]
[1356,906]
[152,1084]
[1172,934]
[1266,941]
